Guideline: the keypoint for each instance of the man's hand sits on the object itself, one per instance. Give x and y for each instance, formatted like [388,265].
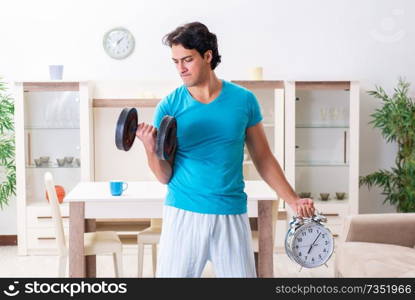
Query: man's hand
[304,207]
[147,134]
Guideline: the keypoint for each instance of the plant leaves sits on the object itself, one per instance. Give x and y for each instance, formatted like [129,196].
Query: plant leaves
[7,148]
[396,121]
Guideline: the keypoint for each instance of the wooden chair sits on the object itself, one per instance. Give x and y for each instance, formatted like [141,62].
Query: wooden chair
[95,243]
[150,235]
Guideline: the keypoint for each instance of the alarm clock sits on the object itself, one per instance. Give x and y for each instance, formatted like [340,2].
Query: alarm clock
[308,242]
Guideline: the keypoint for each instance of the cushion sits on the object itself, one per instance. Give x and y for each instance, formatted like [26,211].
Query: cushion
[359,259]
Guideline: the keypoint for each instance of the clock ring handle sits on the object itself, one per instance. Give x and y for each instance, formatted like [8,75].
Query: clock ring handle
[318,217]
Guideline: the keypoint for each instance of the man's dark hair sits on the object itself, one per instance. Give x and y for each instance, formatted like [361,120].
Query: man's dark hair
[197,36]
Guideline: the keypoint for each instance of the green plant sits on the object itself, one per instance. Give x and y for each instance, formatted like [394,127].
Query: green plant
[396,120]
[7,147]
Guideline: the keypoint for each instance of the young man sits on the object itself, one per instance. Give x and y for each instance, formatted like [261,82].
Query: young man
[205,213]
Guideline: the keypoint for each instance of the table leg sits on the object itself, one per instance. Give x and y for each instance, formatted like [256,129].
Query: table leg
[265,239]
[90,260]
[76,239]
[256,262]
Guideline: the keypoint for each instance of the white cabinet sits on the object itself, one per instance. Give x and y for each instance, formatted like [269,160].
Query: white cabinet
[313,130]
[322,145]
[52,121]
[270,95]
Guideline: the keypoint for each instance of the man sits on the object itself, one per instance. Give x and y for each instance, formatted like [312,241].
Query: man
[205,213]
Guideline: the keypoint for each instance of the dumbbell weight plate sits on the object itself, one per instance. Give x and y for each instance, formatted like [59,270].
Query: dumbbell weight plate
[126,128]
[166,138]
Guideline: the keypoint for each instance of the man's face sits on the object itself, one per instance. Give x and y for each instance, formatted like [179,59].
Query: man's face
[192,67]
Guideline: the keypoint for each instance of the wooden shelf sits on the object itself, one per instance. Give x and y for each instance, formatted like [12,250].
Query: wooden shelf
[51,86]
[322,85]
[133,102]
[260,84]
[323,126]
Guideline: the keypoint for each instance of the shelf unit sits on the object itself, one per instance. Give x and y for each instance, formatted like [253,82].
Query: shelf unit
[270,95]
[52,119]
[285,122]
[322,144]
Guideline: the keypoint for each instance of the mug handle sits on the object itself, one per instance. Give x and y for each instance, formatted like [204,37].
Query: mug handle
[124,188]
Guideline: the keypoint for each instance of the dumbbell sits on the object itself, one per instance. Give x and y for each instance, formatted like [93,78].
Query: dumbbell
[126,128]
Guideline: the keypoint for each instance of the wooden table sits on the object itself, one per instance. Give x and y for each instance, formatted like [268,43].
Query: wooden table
[144,199]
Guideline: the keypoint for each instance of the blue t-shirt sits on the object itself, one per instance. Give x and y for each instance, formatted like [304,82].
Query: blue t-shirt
[207,172]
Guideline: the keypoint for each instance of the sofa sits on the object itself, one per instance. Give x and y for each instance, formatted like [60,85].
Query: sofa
[376,245]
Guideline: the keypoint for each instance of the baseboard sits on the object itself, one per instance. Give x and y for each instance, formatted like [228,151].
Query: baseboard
[8,240]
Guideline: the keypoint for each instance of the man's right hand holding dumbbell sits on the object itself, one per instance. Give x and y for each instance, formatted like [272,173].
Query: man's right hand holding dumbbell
[147,134]
[161,168]
[159,143]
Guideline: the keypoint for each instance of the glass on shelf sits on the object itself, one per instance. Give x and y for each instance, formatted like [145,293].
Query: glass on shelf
[330,198]
[52,109]
[324,196]
[65,162]
[51,166]
[334,117]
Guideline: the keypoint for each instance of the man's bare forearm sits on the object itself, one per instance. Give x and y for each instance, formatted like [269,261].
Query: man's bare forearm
[161,168]
[270,170]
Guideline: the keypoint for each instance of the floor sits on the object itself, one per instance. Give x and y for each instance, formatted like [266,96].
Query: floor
[13,265]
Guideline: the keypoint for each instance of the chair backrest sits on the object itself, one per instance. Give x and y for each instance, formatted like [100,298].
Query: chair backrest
[156,223]
[56,213]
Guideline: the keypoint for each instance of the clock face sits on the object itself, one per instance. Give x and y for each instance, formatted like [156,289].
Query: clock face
[118,43]
[312,245]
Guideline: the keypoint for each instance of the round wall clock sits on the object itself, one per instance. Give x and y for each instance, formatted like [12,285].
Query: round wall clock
[118,43]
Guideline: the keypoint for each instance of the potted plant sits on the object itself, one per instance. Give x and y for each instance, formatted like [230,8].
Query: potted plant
[7,147]
[396,121]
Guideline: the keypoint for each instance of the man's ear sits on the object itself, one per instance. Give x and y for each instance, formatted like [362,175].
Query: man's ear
[208,56]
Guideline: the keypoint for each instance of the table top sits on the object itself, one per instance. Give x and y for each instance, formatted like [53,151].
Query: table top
[98,191]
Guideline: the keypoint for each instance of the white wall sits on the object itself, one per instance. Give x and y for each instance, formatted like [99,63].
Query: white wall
[371,41]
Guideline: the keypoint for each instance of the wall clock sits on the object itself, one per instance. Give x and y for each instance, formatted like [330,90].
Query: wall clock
[118,43]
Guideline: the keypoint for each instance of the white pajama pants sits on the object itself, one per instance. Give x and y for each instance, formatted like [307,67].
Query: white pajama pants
[188,240]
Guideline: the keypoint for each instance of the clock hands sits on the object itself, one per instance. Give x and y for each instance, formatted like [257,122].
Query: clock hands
[313,243]
[115,44]
[118,43]
[304,246]
[120,40]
